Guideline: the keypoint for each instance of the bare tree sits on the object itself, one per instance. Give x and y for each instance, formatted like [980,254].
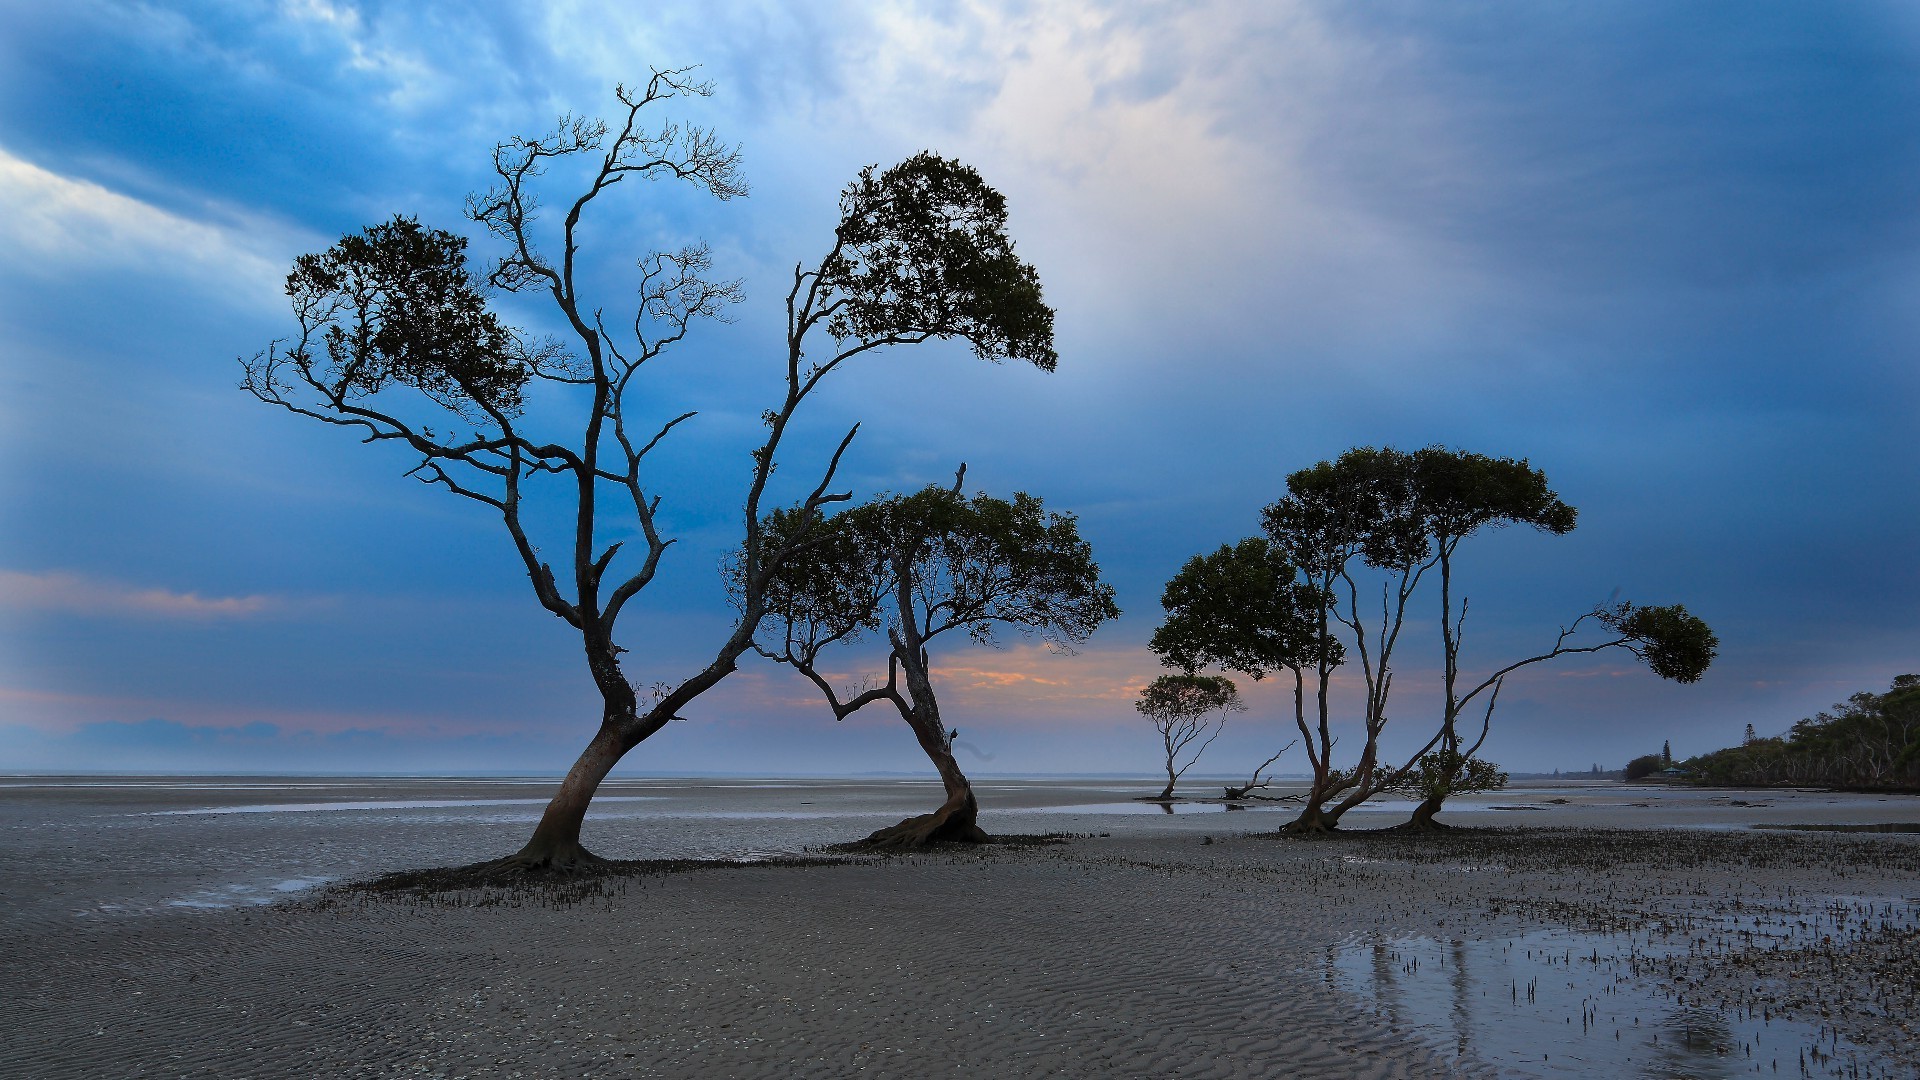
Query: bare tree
[397,309]
[1185,709]
[1260,778]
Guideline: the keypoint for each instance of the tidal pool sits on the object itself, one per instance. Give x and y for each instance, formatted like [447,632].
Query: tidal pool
[1554,1002]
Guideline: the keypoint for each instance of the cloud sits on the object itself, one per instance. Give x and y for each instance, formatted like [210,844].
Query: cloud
[55,223]
[76,594]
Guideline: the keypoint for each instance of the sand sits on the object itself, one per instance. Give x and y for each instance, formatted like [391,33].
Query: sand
[1170,947]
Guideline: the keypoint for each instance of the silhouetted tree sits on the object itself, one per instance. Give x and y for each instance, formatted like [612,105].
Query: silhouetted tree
[920,253]
[1357,519]
[912,568]
[1186,709]
[1248,608]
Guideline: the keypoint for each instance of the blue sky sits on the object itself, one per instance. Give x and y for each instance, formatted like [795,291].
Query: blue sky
[1666,252]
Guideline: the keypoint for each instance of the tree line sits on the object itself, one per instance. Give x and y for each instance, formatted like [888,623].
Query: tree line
[399,341]
[1869,741]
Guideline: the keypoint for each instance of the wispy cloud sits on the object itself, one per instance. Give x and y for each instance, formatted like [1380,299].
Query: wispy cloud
[56,222]
[77,594]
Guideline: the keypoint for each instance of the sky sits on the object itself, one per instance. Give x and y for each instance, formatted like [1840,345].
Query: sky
[1668,253]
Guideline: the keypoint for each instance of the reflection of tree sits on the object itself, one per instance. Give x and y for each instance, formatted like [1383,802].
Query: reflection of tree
[1691,1036]
[1462,999]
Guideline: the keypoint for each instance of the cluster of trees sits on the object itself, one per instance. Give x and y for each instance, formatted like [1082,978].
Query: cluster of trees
[1331,585]
[398,343]
[1868,741]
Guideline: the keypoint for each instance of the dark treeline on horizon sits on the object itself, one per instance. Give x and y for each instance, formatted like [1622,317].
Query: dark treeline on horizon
[1869,741]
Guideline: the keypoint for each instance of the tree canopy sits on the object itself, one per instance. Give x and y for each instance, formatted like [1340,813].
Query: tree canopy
[1242,608]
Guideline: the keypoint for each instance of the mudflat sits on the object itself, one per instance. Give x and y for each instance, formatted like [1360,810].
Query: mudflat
[161,928]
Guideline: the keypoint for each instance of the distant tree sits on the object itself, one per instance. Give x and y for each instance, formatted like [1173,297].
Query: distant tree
[1186,709]
[1643,766]
[912,568]
[1666,753]
[398,344]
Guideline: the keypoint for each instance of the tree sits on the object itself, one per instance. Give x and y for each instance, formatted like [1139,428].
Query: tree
[1246,608]
[912,568]
[397,343]
[1438,774]
[1643,766]
[1461,495]
[1356,517]
[1182,708]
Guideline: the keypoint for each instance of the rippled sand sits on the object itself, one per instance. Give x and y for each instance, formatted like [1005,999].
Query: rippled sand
[137,939]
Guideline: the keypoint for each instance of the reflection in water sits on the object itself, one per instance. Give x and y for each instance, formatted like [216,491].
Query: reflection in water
[1560,1003]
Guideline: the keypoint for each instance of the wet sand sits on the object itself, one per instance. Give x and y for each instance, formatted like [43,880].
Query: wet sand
[158,944]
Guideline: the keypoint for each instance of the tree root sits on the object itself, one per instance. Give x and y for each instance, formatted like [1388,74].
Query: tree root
[935,828]
[1316,827]
[545,860]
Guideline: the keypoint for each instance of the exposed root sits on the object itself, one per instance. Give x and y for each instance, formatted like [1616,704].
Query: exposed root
[547,860]
[935,828]
[1421,826]
[1309,827]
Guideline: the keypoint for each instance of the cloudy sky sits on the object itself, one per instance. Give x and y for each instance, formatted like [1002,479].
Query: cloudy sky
[1669,253]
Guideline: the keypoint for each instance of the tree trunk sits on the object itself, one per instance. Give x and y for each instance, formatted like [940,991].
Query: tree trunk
[1313,821]
[1172,778]
[1422,819]
[954,821]
[555,845]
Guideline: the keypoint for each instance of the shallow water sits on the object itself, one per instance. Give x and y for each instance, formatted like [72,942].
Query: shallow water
[1559,1002]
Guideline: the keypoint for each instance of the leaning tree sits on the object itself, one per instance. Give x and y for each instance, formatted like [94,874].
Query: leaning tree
[910,568]
[398,342]
[1462,495]
[1185,709]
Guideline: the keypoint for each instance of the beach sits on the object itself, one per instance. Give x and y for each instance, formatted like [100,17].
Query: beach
[208,927]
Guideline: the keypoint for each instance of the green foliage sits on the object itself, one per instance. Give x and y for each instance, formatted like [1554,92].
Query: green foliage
[1461,493]
[1243,609]
[1391,507]
[1444,773]
[1172,698]
[1869,741]
[924,253]
[1673,643]
[401,306]
[1644,766]
[1364,503]
[972,564]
